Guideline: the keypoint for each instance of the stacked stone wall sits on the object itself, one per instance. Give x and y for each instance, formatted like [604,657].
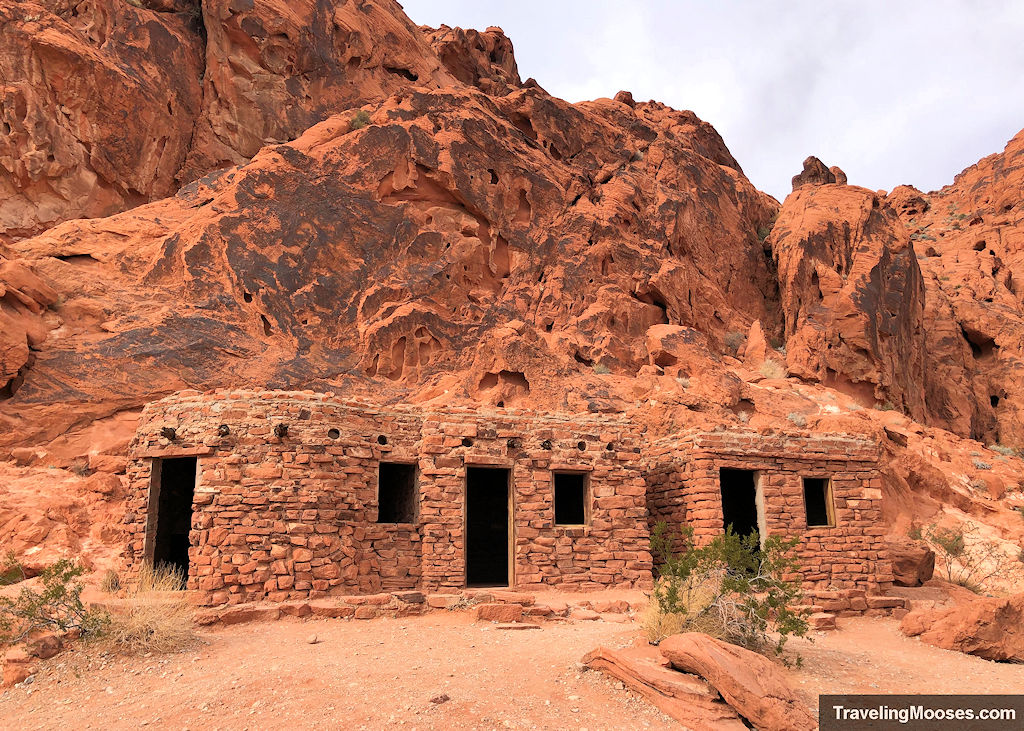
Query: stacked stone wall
[684,489]
[286,515]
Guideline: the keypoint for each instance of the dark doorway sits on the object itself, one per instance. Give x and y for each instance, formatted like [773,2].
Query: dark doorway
[174,483]
[487,526]
[739,500]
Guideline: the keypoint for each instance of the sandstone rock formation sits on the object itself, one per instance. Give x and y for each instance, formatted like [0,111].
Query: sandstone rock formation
[989,627]
[433,249]
[326,196]
[108,105]
[98,101]
[969,237]
[815,172]
[484,60]
[748,682]
[851,295]
[276,68]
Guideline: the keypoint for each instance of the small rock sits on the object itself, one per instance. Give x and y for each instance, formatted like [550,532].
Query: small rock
[441,698]
[312,639]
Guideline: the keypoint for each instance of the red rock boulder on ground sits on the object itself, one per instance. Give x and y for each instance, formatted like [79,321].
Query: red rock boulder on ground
[750,683]
[684,697]
[913,563]
[989,627]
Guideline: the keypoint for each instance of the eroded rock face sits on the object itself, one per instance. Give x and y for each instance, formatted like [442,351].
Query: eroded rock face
[494,248]
[98,99]
[109,104]
[276,68]
[484,60]
[815,172]
[989,627]
[852,295]
[24,299]
[970,238]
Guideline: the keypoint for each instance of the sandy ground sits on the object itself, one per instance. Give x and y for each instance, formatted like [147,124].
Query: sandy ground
[383,673]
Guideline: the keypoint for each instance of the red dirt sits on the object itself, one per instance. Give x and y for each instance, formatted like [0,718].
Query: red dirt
[385,672]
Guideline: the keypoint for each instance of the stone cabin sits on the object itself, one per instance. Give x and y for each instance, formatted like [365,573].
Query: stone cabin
[273,495]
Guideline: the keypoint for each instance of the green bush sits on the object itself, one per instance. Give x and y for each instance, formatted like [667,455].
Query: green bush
[733,588]
[359,120]
[11,570]
[972,564]
[57,608]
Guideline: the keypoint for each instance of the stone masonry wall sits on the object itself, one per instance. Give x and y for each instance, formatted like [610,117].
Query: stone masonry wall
[294,516]
[684,488]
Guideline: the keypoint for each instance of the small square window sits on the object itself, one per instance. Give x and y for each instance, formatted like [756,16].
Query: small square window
[396,493]
[818,502]
[571,498]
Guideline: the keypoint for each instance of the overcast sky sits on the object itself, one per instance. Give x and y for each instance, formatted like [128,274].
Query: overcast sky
[892,91]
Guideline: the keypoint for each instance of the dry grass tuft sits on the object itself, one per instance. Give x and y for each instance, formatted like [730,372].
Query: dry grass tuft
[111,582]
[148,625]
[697,596]
[160,578]
[658,625]
[150,620]
[773,369]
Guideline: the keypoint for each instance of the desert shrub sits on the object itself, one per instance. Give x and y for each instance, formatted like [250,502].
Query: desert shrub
[733,588]
[683,381]
[11,570]
[1005,451]
[885,406]
[967,561]
[152,619]
[110,582]
[58,607]
[359,120]
[733,340]
[979,465]
[798,419]
[658,624]
[773,369]
[915,533]
[150,624]
[601,369]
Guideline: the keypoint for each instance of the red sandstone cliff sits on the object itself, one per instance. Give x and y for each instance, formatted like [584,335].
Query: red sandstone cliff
[475,240]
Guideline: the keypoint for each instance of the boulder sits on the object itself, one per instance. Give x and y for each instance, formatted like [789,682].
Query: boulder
[913,563]
[499,612]
[45,646]
[684,697]
[17,666]
[989,627]
[750,683]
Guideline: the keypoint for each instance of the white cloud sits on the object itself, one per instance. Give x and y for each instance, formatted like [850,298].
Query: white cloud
[892,92]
